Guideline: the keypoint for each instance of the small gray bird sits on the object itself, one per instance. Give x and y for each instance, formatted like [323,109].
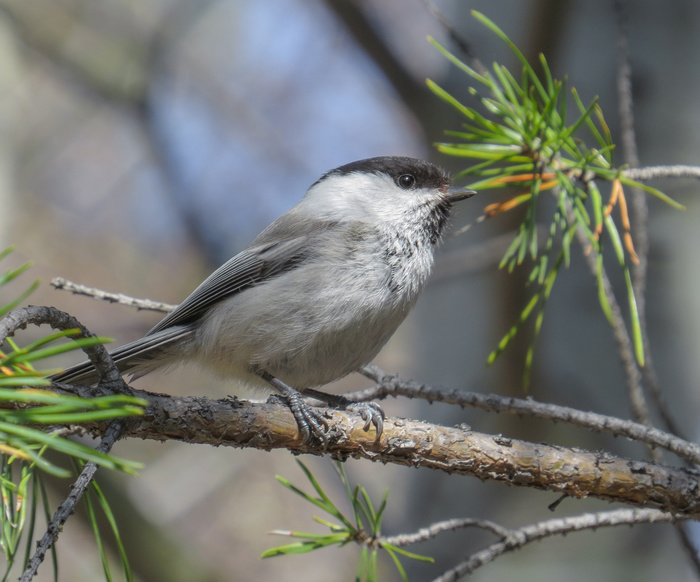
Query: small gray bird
[316,295]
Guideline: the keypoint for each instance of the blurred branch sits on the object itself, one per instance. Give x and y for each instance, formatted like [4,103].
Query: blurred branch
[414,94]
[456,38]
[652,172]
[122,72]
[178,19]
[107,66]
[640,209]
[640,409]
[640,215]
[518,538]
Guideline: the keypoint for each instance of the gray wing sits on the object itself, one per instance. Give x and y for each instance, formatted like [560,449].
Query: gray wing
[238,273]
[277,249]
[126,358]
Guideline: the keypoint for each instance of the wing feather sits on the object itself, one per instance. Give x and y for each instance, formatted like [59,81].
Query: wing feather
[277,249]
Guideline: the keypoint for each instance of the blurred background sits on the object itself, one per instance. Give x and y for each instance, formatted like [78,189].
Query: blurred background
[144,143]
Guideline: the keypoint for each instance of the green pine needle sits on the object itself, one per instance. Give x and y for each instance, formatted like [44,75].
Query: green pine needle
[342,531]
[519,136]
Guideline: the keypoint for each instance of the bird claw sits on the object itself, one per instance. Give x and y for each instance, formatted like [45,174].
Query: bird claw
[310,421]
[371,413]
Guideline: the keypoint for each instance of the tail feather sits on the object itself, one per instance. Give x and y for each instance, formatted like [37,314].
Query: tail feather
[131,357]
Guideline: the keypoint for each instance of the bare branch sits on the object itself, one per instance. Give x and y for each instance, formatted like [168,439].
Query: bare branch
[640,409]
[457,39]
[67,507]
[426,533]
[389,385]
[120,298]
[98,355]
[640,209]
[652,172]
[518,538]
[687,537]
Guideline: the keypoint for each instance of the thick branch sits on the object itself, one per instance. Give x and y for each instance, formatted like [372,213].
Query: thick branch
[573,472]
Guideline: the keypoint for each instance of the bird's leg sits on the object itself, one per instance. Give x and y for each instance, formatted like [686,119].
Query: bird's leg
[309,421]
[370,412]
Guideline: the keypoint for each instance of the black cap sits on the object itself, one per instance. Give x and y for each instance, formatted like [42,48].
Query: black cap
[426,175]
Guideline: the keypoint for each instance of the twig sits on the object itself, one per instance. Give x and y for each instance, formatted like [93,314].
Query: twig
[67,507]
[640,409]
[389,385]
[457,39]
[624,89]
[652,172]
[110,379]
[640,209]
[426,533]
[120,298]
[98,355]
[687,537]
[518,538]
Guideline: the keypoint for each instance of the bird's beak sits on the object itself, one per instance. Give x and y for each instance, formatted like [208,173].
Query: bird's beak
[457,194]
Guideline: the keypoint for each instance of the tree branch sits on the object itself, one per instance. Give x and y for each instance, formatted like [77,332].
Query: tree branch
[518,538]
[120,298]
[390,385]
[60,320]
[270,425]
[434,530]
[67,507]
[640,209]
[652,172]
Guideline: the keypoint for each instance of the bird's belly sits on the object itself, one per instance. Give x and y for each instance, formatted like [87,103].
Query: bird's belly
[300,331]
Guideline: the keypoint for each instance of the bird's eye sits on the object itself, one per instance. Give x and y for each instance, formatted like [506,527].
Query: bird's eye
[406,181]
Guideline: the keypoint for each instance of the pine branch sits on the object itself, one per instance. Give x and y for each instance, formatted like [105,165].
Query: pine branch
[67,507]
[38,315]
[270,425]
[518,538]
[434,530]
[389,385]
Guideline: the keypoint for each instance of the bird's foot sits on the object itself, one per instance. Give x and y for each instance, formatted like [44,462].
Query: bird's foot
[311,423]
[371,412]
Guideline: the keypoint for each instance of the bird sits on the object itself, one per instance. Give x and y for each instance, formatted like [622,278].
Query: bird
[315,296]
